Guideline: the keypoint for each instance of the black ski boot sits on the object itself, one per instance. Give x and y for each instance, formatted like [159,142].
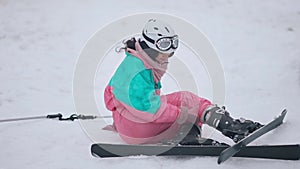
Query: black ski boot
[236,129]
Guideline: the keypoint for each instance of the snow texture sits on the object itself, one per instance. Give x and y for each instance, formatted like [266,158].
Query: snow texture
[40,41]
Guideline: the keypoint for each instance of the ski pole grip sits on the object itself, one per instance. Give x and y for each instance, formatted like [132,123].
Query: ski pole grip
[53,116]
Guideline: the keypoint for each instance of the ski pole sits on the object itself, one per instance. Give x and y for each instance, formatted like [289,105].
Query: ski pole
[22,119]
[59,116]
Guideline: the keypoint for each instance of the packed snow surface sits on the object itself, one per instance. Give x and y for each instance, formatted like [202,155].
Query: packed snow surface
[257,43]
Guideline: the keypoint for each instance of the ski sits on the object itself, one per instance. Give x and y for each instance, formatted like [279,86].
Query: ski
[240,149]
[281,152]
[231,151]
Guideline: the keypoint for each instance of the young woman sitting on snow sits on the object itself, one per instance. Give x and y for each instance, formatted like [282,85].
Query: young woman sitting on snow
[141,115]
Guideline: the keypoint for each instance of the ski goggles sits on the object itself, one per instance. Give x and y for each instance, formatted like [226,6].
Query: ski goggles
[164,43]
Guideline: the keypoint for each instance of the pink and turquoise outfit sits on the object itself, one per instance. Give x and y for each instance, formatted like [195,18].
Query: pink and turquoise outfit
[140,113]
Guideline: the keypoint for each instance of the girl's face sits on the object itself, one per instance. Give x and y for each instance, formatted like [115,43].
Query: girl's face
[163,58]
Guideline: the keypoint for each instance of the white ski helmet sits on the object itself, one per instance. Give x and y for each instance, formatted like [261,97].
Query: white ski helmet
[160,36]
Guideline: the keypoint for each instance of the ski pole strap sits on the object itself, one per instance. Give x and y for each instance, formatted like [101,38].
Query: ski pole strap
[61,118]
[71,118]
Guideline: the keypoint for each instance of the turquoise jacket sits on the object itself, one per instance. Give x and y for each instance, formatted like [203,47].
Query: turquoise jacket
[134,85]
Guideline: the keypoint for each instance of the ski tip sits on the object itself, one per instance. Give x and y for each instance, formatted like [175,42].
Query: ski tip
[284,111]
[221,159]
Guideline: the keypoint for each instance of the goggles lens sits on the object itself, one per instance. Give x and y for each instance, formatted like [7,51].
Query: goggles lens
[167,43]
[164,43]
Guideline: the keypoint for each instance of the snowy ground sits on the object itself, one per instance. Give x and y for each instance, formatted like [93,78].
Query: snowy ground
[258,45]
